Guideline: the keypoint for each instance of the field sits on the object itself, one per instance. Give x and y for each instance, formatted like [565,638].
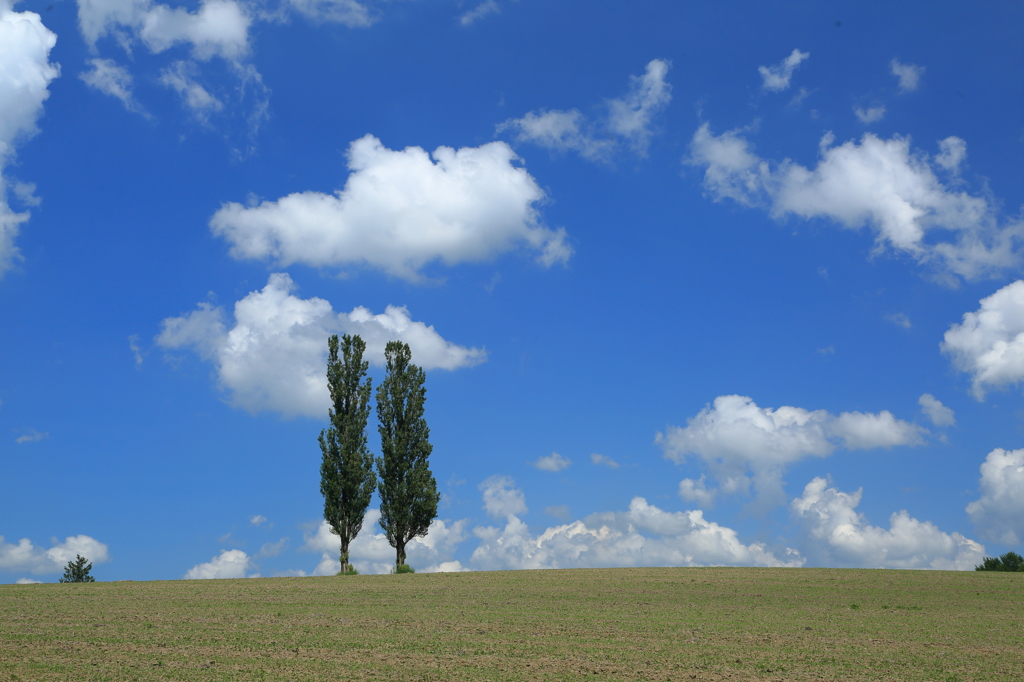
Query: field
[614,624]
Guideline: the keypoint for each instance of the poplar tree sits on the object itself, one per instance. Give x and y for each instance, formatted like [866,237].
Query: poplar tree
[408,492]
[346,470]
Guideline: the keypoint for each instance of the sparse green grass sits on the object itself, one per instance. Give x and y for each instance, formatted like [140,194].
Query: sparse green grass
[614,624]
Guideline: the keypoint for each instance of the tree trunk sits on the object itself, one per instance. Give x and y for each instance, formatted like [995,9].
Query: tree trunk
[344,557]
[401,554]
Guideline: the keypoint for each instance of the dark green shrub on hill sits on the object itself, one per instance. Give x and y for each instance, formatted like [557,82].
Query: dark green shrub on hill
[1010,562]
[77,571]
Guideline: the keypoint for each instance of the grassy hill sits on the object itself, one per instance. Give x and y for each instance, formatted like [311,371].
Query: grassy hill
[609,624]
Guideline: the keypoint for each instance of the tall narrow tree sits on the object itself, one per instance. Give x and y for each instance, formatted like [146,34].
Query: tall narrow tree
[346,471]
[408,492]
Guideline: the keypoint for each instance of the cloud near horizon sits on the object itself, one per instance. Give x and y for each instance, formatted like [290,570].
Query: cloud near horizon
[371,553]
[999,513]
[744,446]
[840,536]
[642,536]
[274,356]
[26,556]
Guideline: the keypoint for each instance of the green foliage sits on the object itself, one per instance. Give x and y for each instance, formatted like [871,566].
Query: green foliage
[77,571]
[404,568]
[351,570]
[408,492]
[346,469]
[1010,562]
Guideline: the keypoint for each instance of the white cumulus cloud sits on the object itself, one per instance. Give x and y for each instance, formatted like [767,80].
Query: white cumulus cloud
[400,210]
[26,556]
[274,357]
[776,78]
[989,343]
[878,183]
[370,552]
[743,444]
[629,120]
[25,75]
[937,413]
[999,513]
[502,498]
[642,536]
[553,462]
[909,74]
[232,563]
[840,536]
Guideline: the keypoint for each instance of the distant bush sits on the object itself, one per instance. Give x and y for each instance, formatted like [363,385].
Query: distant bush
[1009,562]
[77,571]
[351,570]
[404,568]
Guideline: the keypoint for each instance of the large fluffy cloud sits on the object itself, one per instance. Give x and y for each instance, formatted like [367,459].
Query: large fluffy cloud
[642,536]
[989,343]
[231,563]
[273,358]
[743,444]
[26,556]
[399,210]
[25,74]
[999,513]
[629,120]
[370,552]
[840,536]
[882,184]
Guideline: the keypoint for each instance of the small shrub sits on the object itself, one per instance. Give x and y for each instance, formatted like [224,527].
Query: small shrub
[77,571]
[404,568]
[351,571]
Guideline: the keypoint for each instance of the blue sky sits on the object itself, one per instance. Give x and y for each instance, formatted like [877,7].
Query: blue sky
[721,284]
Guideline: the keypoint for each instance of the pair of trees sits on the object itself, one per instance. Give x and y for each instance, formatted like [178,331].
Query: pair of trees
[408,492]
